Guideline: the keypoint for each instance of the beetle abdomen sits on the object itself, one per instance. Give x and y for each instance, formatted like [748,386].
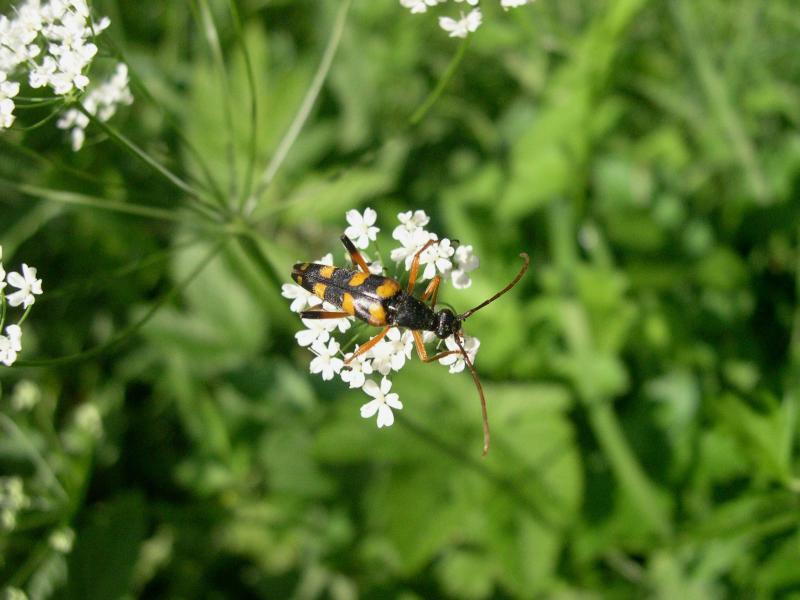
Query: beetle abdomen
[357,293]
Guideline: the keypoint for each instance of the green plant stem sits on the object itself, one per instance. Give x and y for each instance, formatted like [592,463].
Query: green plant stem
[304,111]
[201,204]
[76,199]
[252,248]
[250,169]
[437,92]
[212,38]
[791,401]
[41,464]
[627,470]
[141,89]
[373,150]
[59,166]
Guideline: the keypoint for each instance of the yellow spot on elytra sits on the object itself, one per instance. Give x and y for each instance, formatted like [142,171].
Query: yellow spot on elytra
[326,271]
[319,290]
[347,304]
[299,279]
[357,279]
[388,288]
[304,266]
[377,314]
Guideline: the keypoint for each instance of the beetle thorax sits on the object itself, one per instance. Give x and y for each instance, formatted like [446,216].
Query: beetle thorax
[446,323]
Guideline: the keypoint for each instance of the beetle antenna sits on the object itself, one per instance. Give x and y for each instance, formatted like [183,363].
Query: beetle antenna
[476,379]
[514,282]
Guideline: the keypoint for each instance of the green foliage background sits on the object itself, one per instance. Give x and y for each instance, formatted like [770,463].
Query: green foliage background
[642,380]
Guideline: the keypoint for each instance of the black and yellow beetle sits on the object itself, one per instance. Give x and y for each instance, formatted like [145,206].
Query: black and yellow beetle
[381,301]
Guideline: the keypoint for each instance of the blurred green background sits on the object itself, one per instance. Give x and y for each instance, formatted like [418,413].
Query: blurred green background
[642,380]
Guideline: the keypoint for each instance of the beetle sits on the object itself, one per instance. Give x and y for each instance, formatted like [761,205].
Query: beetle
[381,302]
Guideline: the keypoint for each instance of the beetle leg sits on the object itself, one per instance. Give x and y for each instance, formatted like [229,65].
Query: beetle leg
[423,355]
[368,346]
[323,314]
[355,255]
[412,278]
[432,290]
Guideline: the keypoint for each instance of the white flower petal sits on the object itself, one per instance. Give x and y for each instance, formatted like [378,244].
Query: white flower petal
[393,400]
[385,416]
[370,408]
[371,388]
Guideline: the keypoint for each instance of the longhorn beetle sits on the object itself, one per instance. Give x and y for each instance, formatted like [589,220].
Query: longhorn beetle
[381,302]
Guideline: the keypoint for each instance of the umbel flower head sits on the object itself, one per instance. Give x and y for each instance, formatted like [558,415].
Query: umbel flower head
[330,355]
[462,24]
[50,44]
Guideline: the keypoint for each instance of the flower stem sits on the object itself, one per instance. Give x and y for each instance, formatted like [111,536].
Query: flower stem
[210,183]
[74,198]
[209,27]
[256,253]
[304,111]
[432,98]
[45,470]
[207,207]
[249,172]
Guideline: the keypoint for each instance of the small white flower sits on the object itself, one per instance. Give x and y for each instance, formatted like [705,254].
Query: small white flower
[409,223]
[26,395]
[354,373]
[8,90]
[10,345]
[101,25]
[436,258]
[89,420]
[456,361]
[12,501]
[376,267]
[361,229]
[382,404]
[62,539]
[392,351]
[463,26]
[342,324]
[317,330]
[412,242]
[466,261]
[14,593]
[102,101]
[419,6]
[506,4]
[326,362]
[40,75]
[301,298]
[27,285]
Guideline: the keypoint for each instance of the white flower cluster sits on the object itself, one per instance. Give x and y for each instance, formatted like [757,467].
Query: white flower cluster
[12,501]
[101,102]
[28,287]
[48,44]
[392,352]
[465,24]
